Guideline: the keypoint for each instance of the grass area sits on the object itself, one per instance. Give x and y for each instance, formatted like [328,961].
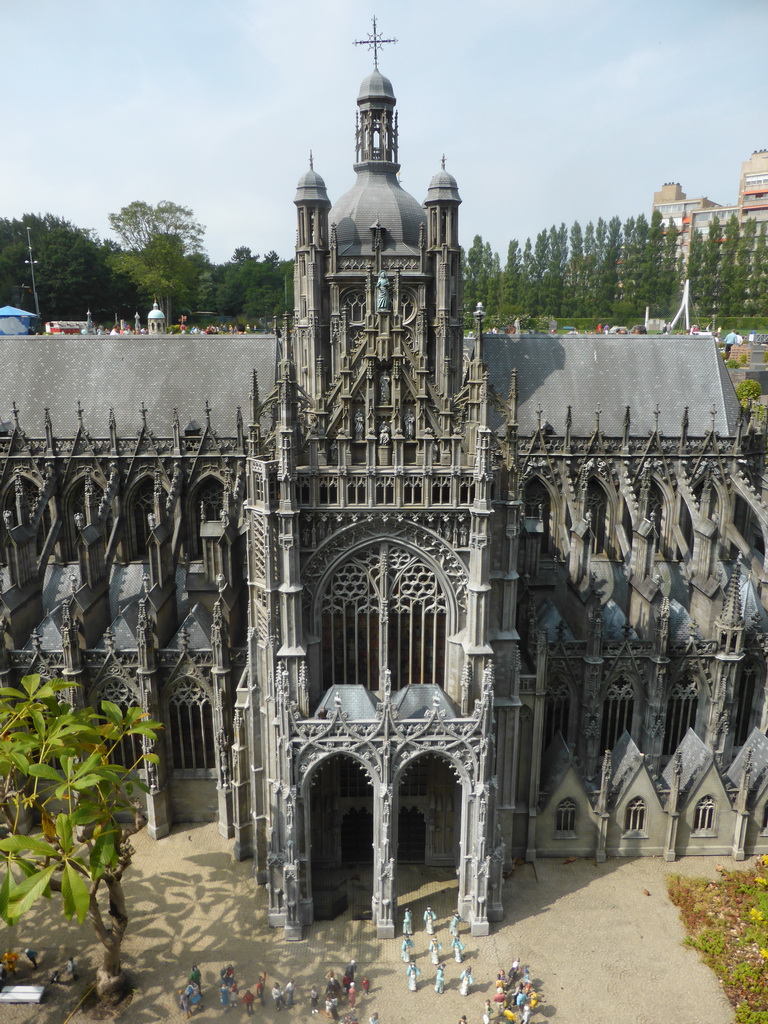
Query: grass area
[727,921]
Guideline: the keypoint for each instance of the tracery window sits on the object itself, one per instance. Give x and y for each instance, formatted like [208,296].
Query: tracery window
[618,709]
[656,512]
[143,505]
[129,750]
[634,819]
[682,705]
[207,503]
[744,704]
[704,816]
[384,608]
[354,304]
[190,723]
[597,509]
[565,817]
[538,505]
[31,497]
[557,707]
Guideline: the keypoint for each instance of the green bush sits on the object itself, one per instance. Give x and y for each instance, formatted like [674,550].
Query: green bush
[747,391]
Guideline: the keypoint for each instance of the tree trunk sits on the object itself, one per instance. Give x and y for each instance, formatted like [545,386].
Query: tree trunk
[111,982]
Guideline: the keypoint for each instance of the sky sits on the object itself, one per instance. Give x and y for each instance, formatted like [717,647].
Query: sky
[547,111]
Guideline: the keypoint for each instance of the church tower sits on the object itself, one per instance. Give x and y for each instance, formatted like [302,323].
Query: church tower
[373,475]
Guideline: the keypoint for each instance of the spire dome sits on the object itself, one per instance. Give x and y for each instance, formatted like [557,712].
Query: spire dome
[443,187]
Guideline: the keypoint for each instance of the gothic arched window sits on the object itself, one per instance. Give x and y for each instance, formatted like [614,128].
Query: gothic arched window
[634,819]
[190,723]
[744,704]
[682,705]
[557,708]
[538,505]
[618,709]
[142,504]
[656,515]
[597,510]
[705,815]
[354,304]
[118,692]
[384,609]
[31,497]
[565,817]
[207,503]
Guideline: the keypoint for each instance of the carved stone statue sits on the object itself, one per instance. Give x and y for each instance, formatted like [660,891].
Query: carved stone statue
[382,293]
[359,425]
[409,424]
[385,391]
[384,435]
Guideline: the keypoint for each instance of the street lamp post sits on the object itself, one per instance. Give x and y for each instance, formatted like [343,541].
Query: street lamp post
[31,263]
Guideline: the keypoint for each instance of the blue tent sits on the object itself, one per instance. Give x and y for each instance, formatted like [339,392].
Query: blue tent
[15,321]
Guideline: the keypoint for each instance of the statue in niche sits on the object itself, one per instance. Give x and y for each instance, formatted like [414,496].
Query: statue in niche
[382,293]
[359,425]
[384,434]
[385,389]
[409,424]
[333,453]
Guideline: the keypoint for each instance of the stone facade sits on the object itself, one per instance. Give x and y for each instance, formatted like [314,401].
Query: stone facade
[433,599]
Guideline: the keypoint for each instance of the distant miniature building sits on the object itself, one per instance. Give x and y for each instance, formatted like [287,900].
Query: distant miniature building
[155,320]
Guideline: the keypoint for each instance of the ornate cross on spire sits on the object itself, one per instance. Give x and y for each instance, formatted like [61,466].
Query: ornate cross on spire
[374,42]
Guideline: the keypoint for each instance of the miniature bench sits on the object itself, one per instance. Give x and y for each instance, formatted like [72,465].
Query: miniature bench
[22,993]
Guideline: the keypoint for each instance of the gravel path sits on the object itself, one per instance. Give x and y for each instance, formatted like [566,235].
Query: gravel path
[599,949]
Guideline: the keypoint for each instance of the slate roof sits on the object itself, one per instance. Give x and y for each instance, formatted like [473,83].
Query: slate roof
[103,372]
[696,757]
[757,743]
[419,701]
[358,702]
[585,371]
[625,757]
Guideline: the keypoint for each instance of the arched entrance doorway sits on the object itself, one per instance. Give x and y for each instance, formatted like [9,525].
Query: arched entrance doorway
[429,812]
[341,830]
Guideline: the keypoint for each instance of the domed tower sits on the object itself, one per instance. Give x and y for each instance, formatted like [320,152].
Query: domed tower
[156,320]
[310,303]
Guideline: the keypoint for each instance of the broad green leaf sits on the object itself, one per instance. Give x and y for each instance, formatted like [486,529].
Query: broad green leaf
[31,844]
[31,889]
[74,892]
[43,771]
[5,892]
[103,854]
[112,712]
[64,832]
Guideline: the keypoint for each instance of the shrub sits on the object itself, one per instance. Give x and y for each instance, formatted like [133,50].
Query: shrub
[747,391]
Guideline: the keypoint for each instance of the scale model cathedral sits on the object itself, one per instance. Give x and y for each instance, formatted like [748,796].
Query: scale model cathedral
[397,595]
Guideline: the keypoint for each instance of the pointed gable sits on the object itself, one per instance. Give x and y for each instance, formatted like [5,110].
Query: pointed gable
[695,758]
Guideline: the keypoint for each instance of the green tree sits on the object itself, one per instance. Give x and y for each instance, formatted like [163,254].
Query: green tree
[64,802]
[158,243]
[748,391]
[511,287]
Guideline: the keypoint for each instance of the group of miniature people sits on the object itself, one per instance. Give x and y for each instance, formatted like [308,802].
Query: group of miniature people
[334,989]
[514,993]
[457,947]
[9,966]
[191,996]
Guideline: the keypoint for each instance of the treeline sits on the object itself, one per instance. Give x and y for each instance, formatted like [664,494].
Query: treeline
[613,271]
[159,255]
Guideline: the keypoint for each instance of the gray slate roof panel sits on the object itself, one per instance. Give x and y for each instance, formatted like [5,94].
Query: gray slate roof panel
[587,371]
[103,372]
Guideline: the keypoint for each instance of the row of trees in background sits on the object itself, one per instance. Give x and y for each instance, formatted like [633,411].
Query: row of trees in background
[159,255]
[613,271]
[609,271]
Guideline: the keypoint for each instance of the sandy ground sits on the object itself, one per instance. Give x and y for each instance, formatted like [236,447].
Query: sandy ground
[599,949]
